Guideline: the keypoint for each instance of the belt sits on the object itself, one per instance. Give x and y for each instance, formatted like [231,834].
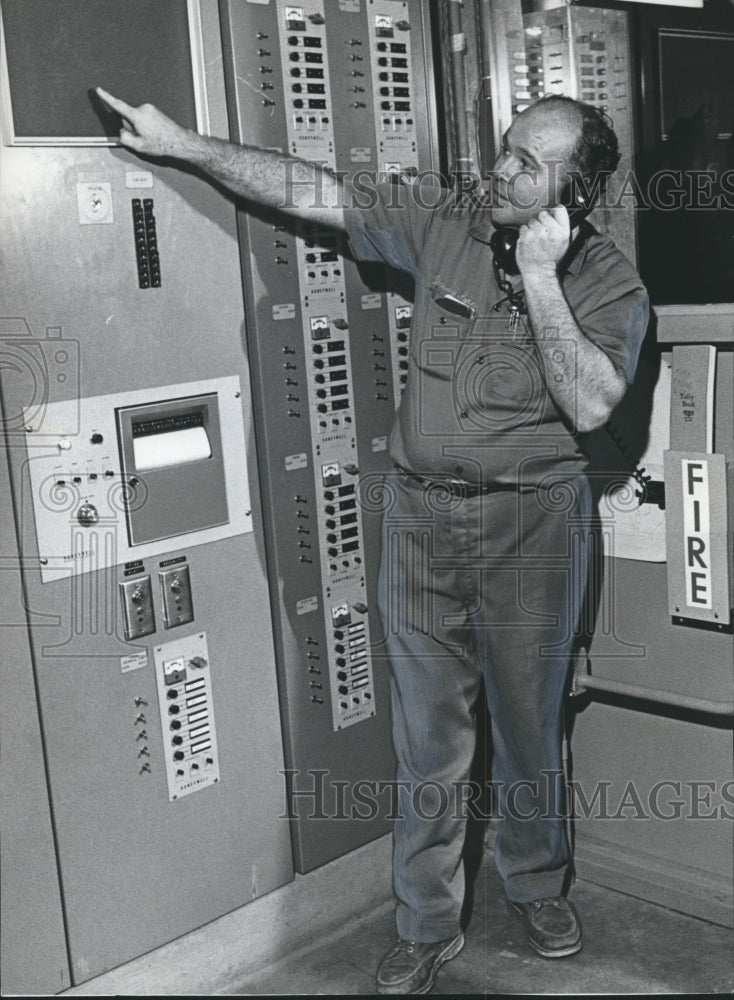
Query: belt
[458,487]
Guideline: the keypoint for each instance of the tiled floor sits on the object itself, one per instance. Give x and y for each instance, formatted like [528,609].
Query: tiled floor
[630,947]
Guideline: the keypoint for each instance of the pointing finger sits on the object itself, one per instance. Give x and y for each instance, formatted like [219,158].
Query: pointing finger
[115,103]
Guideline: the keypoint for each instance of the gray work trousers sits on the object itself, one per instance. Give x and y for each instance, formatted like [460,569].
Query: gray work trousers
[483,586]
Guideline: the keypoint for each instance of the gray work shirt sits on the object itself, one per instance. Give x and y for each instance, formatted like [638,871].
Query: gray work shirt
[476,405]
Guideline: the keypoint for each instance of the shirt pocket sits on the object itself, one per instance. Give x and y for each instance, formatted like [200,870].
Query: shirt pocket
[500,383]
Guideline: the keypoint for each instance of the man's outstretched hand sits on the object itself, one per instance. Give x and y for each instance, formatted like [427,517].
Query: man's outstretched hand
[147,131]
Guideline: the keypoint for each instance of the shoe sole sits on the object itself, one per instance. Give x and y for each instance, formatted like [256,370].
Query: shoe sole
[450,951]
[570,949]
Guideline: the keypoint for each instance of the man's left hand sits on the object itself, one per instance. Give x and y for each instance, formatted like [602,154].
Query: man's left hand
[543,241]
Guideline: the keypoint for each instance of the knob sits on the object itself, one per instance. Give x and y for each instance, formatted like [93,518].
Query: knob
[137,597]
[87,514]
[198,662]
[176,586]
[63,444]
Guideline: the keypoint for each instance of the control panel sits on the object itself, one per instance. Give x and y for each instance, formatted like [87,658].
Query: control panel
[348,85]
[146,243]
[139,639]
[583,53]
[103,471]
[183,681]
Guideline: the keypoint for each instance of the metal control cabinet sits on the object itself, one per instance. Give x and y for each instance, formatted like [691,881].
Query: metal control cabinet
[134,624]
[347,84]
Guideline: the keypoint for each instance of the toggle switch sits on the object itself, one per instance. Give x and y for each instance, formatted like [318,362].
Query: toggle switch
[137,607]
[178,606]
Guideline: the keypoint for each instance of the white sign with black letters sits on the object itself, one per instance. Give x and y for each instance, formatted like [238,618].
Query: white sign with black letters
[697,538]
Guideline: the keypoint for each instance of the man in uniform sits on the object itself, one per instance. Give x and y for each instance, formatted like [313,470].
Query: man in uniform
[484,540]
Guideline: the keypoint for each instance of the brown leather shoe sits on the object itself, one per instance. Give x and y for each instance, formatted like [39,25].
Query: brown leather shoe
[411,966]
[552,926]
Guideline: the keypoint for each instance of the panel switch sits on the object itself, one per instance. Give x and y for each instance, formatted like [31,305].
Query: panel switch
[178,607]
[137,607]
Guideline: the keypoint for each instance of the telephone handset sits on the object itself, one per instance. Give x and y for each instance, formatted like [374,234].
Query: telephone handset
[504,240]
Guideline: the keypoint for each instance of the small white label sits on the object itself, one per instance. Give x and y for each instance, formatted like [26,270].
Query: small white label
[284,310]
[379,444]
[139,179]
[360,154]
[307,604]
[371,301]
[134,662]
[299,461]
[94,201]
[350,6]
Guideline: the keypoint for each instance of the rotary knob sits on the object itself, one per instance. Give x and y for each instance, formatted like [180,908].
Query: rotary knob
[87,514]
[198,662]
